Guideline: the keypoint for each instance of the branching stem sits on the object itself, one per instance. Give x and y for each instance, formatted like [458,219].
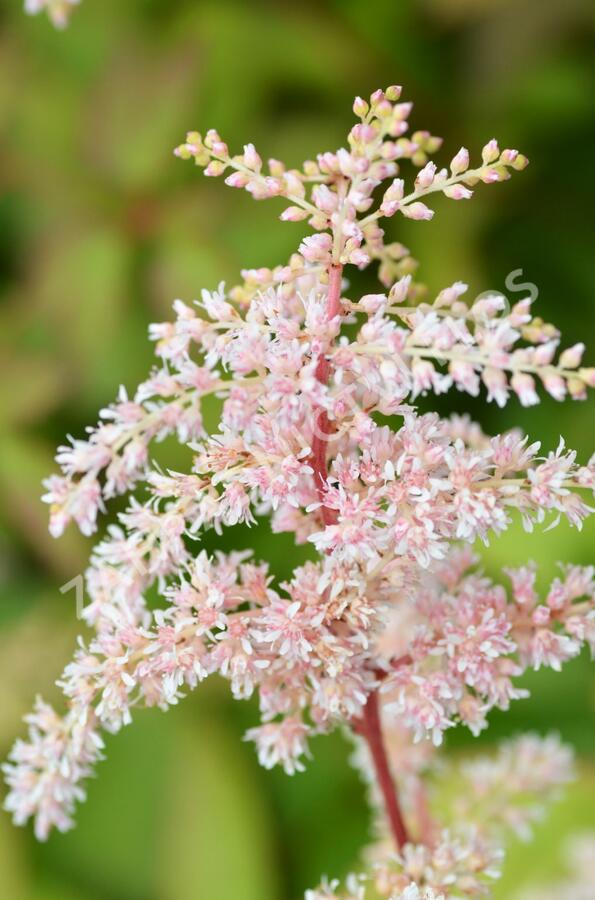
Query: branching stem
[369,727]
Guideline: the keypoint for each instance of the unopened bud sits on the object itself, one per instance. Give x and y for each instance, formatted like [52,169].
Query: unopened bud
[426,176]
[215,168]
[571,358]
[393,92]
[311,168]
[417,211]
[251,158]
[360,107]
[458,192]
[293,214]
[509,156]
[276,168]
[521,162]
[460,162]
[491,152]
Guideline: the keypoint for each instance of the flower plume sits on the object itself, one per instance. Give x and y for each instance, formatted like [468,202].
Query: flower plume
[394,630]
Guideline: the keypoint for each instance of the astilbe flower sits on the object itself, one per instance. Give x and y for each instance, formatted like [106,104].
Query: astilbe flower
[393,626]
[58,10]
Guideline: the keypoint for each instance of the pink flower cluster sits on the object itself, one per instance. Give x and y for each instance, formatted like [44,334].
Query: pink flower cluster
[496,795]
[393,626]
[466,642]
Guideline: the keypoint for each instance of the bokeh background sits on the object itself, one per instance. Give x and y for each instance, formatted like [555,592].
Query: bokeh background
[101,228]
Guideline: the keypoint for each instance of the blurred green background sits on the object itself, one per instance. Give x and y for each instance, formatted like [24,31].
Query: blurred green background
[101,228]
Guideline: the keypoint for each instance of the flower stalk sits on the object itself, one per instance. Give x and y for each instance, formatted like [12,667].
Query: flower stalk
[369,726]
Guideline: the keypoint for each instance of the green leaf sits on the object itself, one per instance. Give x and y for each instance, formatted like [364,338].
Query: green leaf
[216,838]
[14,878]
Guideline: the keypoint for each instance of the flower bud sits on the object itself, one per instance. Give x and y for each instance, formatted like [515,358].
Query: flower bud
[360,107]
[554,385]
[543,355]
[426,176]
[311,168]
[276,168]
[571,358]
[491,152]
[183,151]
[316,247]
[325,199]
[393,92]
[293,214]
[402,111]
[363,134]
[384,110]
[495,173]
[508,157]
[389,150]
[359,258]
[215,168]
[433,144]
[460,162]
[251,158]
[236,179]
[220,148]
[521,162]
[392,197]
[458,192]
[524,387]
[211,137]
[417,211]
[399,290]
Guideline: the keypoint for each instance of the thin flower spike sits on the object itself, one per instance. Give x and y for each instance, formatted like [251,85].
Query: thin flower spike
[393,630]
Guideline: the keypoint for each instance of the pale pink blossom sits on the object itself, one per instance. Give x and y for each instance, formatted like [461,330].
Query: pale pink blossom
[393,627]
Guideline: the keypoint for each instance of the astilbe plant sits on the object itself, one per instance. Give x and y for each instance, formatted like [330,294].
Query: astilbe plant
[393,632]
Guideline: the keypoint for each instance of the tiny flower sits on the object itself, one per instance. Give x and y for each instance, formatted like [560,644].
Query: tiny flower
[360,107]
[571,358]
[418,211]
[460,162]
[458,192]
[251,158]
[426,176]
[293,214]
[490,152]
[316,247]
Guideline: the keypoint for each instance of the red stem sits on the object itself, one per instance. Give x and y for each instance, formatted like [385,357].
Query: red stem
[323,427]
[370,728]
